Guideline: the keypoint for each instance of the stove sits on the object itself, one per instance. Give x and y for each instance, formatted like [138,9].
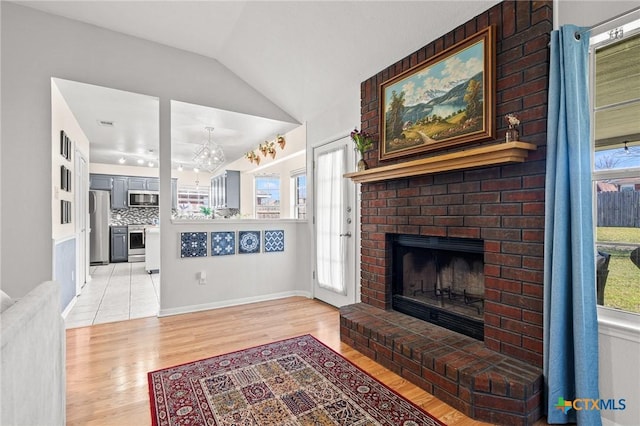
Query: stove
[136,243]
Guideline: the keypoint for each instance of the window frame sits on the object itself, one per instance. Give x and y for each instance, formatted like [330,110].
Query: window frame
[626,323]
[255,195]
[199,191]
[294,204]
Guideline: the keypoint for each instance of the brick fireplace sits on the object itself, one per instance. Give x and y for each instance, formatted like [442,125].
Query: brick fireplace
[439,280]
[496,378]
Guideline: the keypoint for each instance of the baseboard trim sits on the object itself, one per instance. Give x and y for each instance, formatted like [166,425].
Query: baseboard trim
[70,306]
[231,302]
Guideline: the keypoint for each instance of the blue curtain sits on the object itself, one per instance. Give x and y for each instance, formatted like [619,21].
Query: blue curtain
[570,316]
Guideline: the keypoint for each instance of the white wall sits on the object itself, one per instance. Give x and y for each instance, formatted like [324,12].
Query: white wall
[123,170]
[63,119]
[234,279]
[0,152]
[189,178]
[37,46]
[619,339]
[66,268]
[619,369]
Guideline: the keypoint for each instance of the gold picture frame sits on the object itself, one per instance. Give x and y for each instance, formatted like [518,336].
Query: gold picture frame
[446,101]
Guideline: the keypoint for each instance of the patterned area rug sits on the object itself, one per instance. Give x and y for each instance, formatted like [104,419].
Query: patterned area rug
[297,381]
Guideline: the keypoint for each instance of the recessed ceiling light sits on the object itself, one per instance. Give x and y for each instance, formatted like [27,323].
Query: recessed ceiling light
[122,160]
[140,161]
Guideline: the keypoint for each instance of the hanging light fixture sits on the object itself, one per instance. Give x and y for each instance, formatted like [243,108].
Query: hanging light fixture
[209,156]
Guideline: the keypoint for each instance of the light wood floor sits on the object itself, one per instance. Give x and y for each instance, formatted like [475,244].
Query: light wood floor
[107,364]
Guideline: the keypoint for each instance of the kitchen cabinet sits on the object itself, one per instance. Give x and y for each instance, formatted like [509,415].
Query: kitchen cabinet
[119,192]
[100,182]
[225,190]
[119,252]
[120,186]
[153,184]
[144,184]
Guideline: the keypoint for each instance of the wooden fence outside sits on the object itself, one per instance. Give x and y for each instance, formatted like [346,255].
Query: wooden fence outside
[619,209]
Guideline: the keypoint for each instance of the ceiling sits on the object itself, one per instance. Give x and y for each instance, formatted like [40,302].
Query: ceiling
[125,125]
[302,55]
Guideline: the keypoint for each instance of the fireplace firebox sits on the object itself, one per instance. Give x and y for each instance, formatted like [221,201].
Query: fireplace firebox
[440,280]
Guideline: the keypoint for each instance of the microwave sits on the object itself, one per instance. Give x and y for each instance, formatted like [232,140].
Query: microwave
[143,198]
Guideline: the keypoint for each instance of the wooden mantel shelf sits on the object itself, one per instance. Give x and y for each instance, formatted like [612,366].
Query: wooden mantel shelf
[491,155]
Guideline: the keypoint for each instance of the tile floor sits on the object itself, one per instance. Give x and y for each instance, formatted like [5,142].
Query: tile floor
[117,292]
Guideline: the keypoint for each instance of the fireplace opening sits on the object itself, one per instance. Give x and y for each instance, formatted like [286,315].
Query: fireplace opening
[440,280]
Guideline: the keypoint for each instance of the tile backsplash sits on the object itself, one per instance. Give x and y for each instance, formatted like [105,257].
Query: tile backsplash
[134,216]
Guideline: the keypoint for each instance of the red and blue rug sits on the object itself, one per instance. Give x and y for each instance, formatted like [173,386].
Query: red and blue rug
[297,381]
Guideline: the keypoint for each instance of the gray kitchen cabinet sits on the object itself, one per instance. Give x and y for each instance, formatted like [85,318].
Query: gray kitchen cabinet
[119,246]
[225,190]
[144,183]
[100,182]
[138,183]
[153,184]
[120,186]
[119,192]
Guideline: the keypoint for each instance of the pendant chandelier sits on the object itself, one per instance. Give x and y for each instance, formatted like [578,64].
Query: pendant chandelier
[208,156]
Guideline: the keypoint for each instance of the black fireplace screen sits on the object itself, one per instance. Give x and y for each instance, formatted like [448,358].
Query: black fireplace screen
[440,280]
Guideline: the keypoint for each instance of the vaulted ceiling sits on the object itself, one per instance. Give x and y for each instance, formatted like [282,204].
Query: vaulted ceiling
[302,55]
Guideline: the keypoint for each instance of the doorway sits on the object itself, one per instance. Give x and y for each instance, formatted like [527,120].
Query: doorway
[334,224]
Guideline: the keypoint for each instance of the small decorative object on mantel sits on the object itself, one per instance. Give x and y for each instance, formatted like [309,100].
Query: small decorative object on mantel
[512,134]
[363,143]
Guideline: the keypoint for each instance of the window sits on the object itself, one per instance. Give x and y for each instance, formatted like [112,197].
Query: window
[192,198]
[267,197]
[299,198]
[615,91]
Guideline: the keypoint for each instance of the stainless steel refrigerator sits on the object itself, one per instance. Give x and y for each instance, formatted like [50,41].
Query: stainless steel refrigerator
[99,218]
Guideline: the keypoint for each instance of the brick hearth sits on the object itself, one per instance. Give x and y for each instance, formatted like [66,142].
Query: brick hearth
[457,369]
[502,205]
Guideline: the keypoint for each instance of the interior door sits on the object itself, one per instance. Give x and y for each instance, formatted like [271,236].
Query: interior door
[334,224]
[82,215]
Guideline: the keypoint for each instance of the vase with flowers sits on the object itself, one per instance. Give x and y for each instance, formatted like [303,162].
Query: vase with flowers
[512,134]
[363,143]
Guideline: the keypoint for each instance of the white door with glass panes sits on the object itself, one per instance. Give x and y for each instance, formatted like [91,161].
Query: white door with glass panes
[334,224]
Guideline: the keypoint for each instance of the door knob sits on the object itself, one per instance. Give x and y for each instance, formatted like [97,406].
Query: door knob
[346,234]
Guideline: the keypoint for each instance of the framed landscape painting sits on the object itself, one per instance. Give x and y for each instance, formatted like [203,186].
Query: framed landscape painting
[446,101]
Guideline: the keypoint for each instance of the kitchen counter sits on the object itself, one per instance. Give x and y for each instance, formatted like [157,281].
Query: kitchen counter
[233,221]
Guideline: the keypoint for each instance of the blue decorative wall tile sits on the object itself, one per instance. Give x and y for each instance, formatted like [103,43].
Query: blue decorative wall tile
[273,241]
[223,243]
[248,241]
[193,244]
